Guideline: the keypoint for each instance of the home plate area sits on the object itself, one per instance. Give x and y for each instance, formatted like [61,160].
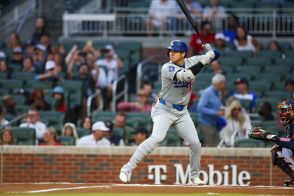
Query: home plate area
[55,188]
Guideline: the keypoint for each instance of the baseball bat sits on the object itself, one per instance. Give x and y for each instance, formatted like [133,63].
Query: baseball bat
[189,18]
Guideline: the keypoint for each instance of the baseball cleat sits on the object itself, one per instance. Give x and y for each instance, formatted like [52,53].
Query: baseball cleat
[197,181]
[125,175]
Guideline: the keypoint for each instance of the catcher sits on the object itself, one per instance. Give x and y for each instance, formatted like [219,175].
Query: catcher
[282,152]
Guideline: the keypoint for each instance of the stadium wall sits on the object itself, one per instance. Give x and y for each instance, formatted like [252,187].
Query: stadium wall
[166,165]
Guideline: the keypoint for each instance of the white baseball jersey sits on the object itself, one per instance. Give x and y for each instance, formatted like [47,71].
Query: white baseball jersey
[174,91]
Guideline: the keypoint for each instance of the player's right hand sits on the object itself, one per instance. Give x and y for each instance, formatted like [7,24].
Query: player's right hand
[206,47]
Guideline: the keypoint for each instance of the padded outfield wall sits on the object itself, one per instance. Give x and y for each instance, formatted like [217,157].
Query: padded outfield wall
[166,165]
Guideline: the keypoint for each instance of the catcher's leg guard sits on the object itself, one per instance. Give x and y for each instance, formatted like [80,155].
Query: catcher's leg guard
[285,164]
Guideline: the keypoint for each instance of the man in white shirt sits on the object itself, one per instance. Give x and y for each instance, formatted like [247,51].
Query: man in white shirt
[33,121]
[97,138]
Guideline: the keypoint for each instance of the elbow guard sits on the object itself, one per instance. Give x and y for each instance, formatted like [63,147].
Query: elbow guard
[195,69]
[185,75]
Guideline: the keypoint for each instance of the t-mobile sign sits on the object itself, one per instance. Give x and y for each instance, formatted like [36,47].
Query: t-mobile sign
[228,176]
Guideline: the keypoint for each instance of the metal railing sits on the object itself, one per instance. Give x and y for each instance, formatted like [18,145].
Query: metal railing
[89,102]
[263,23]
[118,95]
[16,15]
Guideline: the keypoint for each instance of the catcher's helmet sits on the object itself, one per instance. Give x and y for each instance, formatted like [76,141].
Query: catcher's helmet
[286,112]
[178,45]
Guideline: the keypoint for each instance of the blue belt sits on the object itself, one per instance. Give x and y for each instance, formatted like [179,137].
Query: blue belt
[175,106]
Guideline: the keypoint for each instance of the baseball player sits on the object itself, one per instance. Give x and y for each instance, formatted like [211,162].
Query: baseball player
[282,153]
[171,109]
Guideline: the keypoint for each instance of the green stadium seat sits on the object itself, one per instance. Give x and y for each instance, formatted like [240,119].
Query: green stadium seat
[66,140]
[19,99]
[282,95]
[287,62]
[260,86]
[24,136]
[33,84]
[3,91]
[101,116]
[83,132]
[23,76]
[240,54]
[172,139]
[272,100]
[22,108]
[230,61]
[53,118]
[245,143]
[258,62]
[269,77]
[252,71]
[201,85]
[279,70]
[3,76]
[269,54]
[11,84]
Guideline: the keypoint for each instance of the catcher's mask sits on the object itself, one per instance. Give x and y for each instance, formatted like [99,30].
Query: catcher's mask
[286,112]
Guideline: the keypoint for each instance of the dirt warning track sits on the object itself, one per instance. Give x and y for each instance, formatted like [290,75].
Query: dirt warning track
[141,188]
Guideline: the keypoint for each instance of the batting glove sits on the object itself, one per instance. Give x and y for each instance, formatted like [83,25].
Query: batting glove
[207,47]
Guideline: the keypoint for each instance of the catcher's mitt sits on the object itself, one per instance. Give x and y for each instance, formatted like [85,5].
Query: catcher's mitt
[259,134]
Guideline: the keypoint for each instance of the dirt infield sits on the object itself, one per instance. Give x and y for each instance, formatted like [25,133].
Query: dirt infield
[140,188]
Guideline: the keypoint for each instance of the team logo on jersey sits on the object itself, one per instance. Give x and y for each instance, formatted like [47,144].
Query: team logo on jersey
[171,68]
[181,84]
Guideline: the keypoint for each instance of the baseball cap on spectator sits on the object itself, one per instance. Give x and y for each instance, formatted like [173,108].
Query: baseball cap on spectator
[221,36]
[40,47]
[109,124]
[2,55]
[17,50]
[217,78]
[109,47]
[99,126]
[241,81]
[49,65]
[58,89]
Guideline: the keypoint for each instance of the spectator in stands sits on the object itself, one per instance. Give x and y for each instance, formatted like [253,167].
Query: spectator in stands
[6,137]
[115,137]
[141,134]
[29,48]
[159,13]
[141,105]
[58,95]
[50,138]
[17,56]
[37,100]
[107,72]
[59,62]
[247,98]
[289,87]
[148,88]
[120,121]
[14,41]
[3,56]
[86,123]
[50,74]
[220,43]
[4,68]
[28,66]
[40,29]
[207,36]
[9,105]
[211,112]
[265,111]
[45,41]
[97,138]
[245,42]
[231,31]
[33,121]
[216,68]
[39,57]
[275,46]
[2,119]
[214,13]
[69,130]
[237,121]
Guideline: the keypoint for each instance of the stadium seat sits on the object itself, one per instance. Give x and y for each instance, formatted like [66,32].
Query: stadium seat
[66,140]
[230,61]
[33,84]
[101,116]
[3,76]
[269,54]
[83,132]
[280,70]
[282,95]
[53,118]
[249,70]
[24,136]
[23,76]
[260,86]
[11,84]
[258,62]
[240,54]
[245,143]
[22,108]
[171,139]
[272,100]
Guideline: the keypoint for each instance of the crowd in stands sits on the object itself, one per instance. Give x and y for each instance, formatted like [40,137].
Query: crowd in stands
[223,108]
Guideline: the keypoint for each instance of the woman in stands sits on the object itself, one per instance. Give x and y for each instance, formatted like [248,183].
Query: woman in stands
[237,122]
[58,95]
[14,41]
[6,137]
[245,42]
[37,99]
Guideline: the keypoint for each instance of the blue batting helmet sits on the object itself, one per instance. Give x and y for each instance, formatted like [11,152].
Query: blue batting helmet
[178,45]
